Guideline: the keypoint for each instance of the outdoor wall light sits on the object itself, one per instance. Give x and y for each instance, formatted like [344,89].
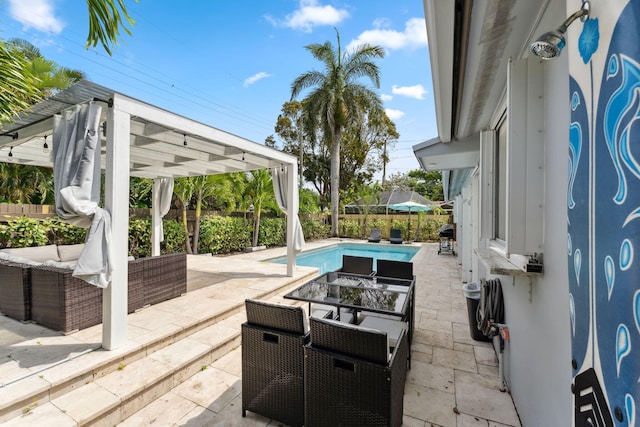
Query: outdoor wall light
[549,45]
[11,152]
[45,146]
[185,140]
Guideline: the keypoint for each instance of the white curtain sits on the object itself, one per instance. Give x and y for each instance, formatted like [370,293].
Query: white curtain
[165,189]
[280,179]
[76,173]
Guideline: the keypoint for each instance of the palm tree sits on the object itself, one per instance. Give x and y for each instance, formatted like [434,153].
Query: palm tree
[260,192]
[183,189]
[337,97]
[105,20]
[18,87]
[204,187]
[51,77]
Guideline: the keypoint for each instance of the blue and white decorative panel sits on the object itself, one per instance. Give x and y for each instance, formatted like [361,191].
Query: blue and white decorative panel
[603,212]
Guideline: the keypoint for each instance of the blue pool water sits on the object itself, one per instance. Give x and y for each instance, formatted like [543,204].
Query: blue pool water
[329,258]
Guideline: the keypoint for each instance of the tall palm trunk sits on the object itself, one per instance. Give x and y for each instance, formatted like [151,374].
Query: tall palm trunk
[335,179]
[186,229]
[196,227]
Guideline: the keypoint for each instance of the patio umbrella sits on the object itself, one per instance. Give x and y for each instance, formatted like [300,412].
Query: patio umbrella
[410,206]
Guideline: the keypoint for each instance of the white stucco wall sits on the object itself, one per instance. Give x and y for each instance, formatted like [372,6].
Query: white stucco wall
[538,358]
[537,310]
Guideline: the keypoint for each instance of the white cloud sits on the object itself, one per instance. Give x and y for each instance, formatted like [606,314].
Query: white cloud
[251,80]
[394,114]
[38,14]
[386,97]
[414,35]
[311,14]
[417,91]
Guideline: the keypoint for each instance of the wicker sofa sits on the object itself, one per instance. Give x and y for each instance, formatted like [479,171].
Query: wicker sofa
[47,293]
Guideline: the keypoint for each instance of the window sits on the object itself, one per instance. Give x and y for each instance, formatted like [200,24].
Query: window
[500,179]
[512,165]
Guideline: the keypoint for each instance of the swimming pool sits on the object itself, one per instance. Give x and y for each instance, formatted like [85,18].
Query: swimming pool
[329,258]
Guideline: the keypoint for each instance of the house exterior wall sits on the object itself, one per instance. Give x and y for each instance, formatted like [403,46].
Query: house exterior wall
[578,324]
[537,360]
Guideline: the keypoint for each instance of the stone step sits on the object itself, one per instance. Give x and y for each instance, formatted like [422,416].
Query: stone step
[105,387]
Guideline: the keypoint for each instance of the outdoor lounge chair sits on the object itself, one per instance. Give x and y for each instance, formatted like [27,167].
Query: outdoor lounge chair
[352,376]
[395,236]
[374,237]
[273,339]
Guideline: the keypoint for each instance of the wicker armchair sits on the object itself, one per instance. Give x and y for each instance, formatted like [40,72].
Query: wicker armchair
[273,339]
[351,379]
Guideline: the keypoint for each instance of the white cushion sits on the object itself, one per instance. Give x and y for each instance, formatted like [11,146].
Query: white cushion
[17,259]
[70,252]
[393,328]
[36,253]
[68,265]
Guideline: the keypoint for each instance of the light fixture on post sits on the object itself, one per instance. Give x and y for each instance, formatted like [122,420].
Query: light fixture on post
[549,45]
[45,146]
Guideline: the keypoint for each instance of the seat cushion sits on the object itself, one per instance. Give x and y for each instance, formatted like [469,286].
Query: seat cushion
[393,328]
[70,252]
[36,253]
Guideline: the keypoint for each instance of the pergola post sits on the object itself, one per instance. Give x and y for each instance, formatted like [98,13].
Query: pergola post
[292,213]
[156,218]
[114,313]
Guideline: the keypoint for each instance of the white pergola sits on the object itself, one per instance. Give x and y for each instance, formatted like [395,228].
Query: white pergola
[141,140]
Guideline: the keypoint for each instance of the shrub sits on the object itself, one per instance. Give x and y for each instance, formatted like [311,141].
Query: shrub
[61,233]
[314,228]
[140,237]
[219,235]
[26,232]
[272,232]
[349,228]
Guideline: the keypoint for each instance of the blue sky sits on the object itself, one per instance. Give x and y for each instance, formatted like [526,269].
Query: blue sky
[230,64]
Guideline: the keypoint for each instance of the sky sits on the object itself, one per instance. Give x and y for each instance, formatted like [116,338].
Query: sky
[230,64]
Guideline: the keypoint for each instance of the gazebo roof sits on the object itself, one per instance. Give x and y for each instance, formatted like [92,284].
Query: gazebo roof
[157,139]
[139,139]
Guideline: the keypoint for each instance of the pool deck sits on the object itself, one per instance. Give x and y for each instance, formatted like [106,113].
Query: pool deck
[453,380]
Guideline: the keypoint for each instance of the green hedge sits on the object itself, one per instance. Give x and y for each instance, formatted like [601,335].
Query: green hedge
[424,228]
[140,237]
[223,235]
[26,232]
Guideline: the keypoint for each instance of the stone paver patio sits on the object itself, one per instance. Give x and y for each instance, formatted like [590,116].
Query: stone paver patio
[453,379]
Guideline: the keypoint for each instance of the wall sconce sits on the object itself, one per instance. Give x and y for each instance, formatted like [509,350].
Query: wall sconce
[185,140]
[549,45]
[45,146]
[11,151]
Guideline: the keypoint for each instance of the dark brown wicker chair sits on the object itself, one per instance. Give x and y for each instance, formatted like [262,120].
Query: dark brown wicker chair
[357,265]
[350,377]
[15,290]
[400,270]
[273,340]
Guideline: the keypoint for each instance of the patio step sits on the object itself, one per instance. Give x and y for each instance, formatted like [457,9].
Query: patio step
[102,388]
